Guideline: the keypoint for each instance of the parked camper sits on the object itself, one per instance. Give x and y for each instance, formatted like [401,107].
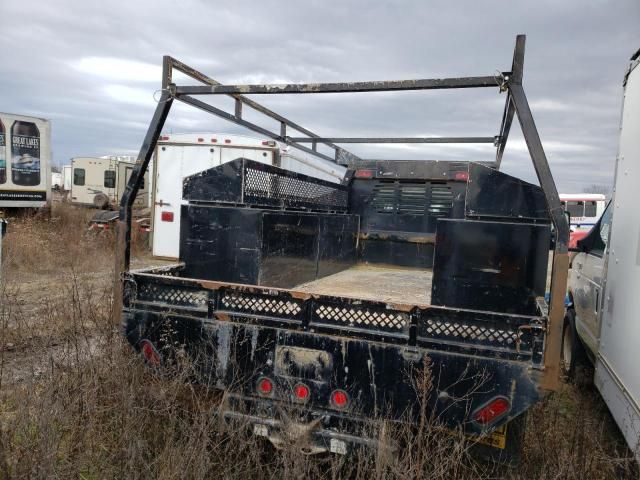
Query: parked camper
[604,281]
[180,155]
[25,161]
[99,182]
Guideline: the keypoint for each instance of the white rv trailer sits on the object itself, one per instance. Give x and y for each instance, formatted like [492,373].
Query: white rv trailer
[100,182]
[25,161]
[179,155]
[604,281]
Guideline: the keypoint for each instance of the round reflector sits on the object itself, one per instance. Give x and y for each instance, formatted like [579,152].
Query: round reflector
[265,387]
[339,398]
[301,391]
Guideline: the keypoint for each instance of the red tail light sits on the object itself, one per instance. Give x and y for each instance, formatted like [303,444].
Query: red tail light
[164,138]
[200,139]
[461,176]
[339,399]
[150,354]
[214,140]
[264,387]
[166,216]
[493,410]
[226,140]
[364,174]
[301,392]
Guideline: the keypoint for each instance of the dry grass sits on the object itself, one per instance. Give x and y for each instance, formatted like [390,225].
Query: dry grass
[572,435]
[38,245]
[76,402]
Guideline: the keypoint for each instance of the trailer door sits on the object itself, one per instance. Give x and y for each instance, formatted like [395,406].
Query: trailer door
[174,163]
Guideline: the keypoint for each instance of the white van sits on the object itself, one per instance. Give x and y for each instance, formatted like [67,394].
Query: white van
[179,155]
[604,283]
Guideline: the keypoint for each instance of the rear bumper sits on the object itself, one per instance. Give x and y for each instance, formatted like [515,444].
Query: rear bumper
[319,433]
[377,353]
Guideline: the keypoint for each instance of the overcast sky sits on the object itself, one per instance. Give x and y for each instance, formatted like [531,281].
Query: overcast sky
[93,67]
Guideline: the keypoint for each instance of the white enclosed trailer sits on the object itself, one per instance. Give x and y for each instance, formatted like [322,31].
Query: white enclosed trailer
[180,155]
[617,374]
[25,161]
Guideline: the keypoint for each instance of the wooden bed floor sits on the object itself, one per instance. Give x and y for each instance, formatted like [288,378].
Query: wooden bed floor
[369,282]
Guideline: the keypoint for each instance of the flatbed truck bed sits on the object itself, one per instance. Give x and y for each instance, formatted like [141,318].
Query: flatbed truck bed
[318,307]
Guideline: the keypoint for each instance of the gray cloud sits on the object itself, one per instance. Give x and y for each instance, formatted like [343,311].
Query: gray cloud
[93,69]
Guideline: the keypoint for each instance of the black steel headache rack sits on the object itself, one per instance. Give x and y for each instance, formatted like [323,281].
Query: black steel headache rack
[251,183]
[508,82]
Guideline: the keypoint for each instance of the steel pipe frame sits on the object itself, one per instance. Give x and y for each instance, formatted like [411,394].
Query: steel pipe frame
[240,100]
[343,87]
[516,104]
[373,140]
[170,92]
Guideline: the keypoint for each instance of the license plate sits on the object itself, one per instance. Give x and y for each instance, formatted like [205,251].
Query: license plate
[496,439]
